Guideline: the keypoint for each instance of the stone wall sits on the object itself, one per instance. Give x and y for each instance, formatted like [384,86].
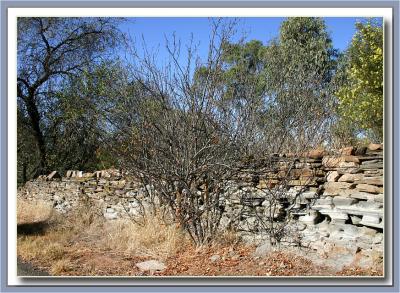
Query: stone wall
[334,200]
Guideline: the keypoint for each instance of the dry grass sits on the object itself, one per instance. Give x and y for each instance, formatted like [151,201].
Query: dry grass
[227,238]
[153,239]
[85,244]
[61,267]
[48,247]
[33,211]
[85,232]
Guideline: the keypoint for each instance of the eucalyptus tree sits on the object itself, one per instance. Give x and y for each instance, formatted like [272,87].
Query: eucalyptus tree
[299,66]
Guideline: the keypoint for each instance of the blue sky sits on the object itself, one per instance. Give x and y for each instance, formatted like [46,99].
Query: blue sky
[155,29]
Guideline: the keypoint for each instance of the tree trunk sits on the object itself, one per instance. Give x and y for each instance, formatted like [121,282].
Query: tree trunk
[35,122]
[24,177]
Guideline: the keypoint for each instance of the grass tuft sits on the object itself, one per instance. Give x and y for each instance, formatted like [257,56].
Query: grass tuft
[33,211]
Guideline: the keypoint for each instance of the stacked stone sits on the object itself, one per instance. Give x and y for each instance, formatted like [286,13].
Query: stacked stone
[117,196]
[349,213]
[248,204]
[353,192]
[334,200]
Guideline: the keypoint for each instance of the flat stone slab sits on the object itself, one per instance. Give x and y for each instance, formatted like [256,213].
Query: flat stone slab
[375,146]
[344,201]
[151,265]
[369,224]
[333,188]
[378,180]
[351,177]
[369,188]
[335,214]
[354,210]
[361,195]
[371,166]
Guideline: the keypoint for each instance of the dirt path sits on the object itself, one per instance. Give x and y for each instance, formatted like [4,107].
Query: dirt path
[27,269]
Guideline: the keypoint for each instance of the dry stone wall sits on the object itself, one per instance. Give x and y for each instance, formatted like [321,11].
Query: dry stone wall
[334,200]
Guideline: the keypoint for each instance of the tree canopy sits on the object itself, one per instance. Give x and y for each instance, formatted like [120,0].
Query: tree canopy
[361,93]
[76,98]
[51,52]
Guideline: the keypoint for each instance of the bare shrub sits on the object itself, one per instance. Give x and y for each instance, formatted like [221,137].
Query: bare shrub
[179,135]
[188,127]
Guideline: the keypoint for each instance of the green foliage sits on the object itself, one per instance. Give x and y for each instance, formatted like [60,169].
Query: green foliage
[76,136]
[299,68]
[361,92]
[52,53]
[241,70]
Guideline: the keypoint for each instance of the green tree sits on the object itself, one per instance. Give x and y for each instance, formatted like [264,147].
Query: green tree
[77,128]
[361,92]
[51,50]
[243,68]
[298,67]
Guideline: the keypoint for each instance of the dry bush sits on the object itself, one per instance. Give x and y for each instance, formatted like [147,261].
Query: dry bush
[48,247]
[51,245]
[60,267]
[81,219]
[33,211]
[54,251]
[154,238]
[227,238]
[85,227]
[30,247]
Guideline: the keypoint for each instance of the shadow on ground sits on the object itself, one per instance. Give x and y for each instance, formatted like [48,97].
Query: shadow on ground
[25,269]
[36,228]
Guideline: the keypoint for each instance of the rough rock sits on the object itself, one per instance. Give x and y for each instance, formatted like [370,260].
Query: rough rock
[347,151]
[375,146]
[316,154]
[333,188]
[53,175]
[332,176]
[351,177]
[151,265]
[348,164]
[215,258]
[369,188]
[353,159]
[263,249]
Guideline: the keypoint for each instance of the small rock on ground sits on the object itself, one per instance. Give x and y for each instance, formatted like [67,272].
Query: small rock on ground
[151,265]
[215,258]
[262,250]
